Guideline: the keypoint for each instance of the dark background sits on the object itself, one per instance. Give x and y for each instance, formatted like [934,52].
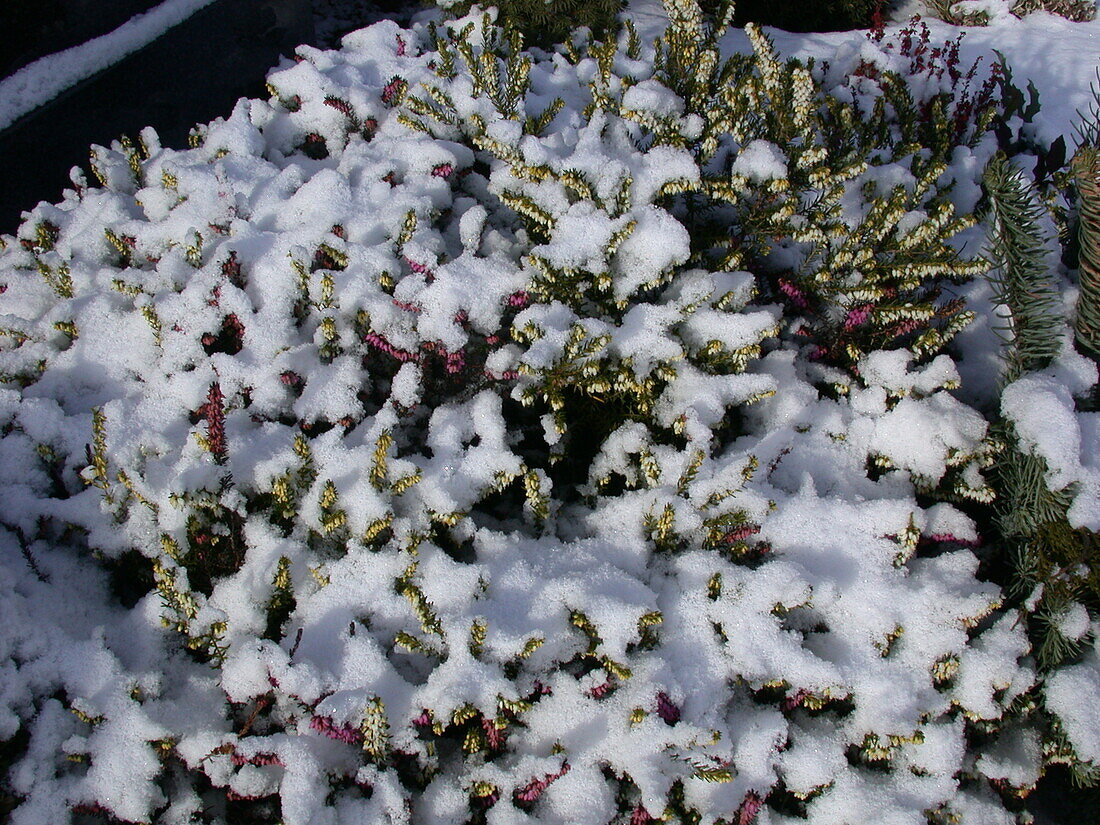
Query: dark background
[193,73]
[33,28]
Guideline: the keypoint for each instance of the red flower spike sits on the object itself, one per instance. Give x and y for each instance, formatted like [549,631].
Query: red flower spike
[600,691]
[794,700]
[666,709]
[214,414]
[344,733]
[231,269]
[256,759]
[741,533]
[533,790]
[493,735]
[878,23]
[750,807]
[393,91]
[342,106]
[405,305]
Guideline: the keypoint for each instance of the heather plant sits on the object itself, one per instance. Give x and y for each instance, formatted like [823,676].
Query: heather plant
[970,13]
[435,442]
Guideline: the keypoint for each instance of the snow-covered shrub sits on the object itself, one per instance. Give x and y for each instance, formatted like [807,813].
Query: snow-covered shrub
[981,12]
[437,408]
[1046,478]
[845,204]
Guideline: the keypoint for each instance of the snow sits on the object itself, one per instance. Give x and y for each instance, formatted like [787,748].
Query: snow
[352,379]
[1072,693]
[44,79]
[1042,409]
[759,161]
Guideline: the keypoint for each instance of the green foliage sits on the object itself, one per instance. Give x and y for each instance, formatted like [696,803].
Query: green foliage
[1086,169]
[1021,277]
[1055,567]
[854,280]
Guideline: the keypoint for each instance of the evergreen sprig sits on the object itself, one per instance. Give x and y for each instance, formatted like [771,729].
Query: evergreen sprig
[1021,278]
[1086,169]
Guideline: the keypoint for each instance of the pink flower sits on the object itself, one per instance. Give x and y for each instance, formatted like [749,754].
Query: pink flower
[750,807]
[400,46]
[443,170]
[214,414]
[405,305]
[793,292]
[794,700]
[380,343]
[493,735]
[394,90]
[640,816]
[600,691]
[519,299]
[257,759]
[533,790]
[905,327]
[857,317]
[345,733]
[456,362]
[741,533]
